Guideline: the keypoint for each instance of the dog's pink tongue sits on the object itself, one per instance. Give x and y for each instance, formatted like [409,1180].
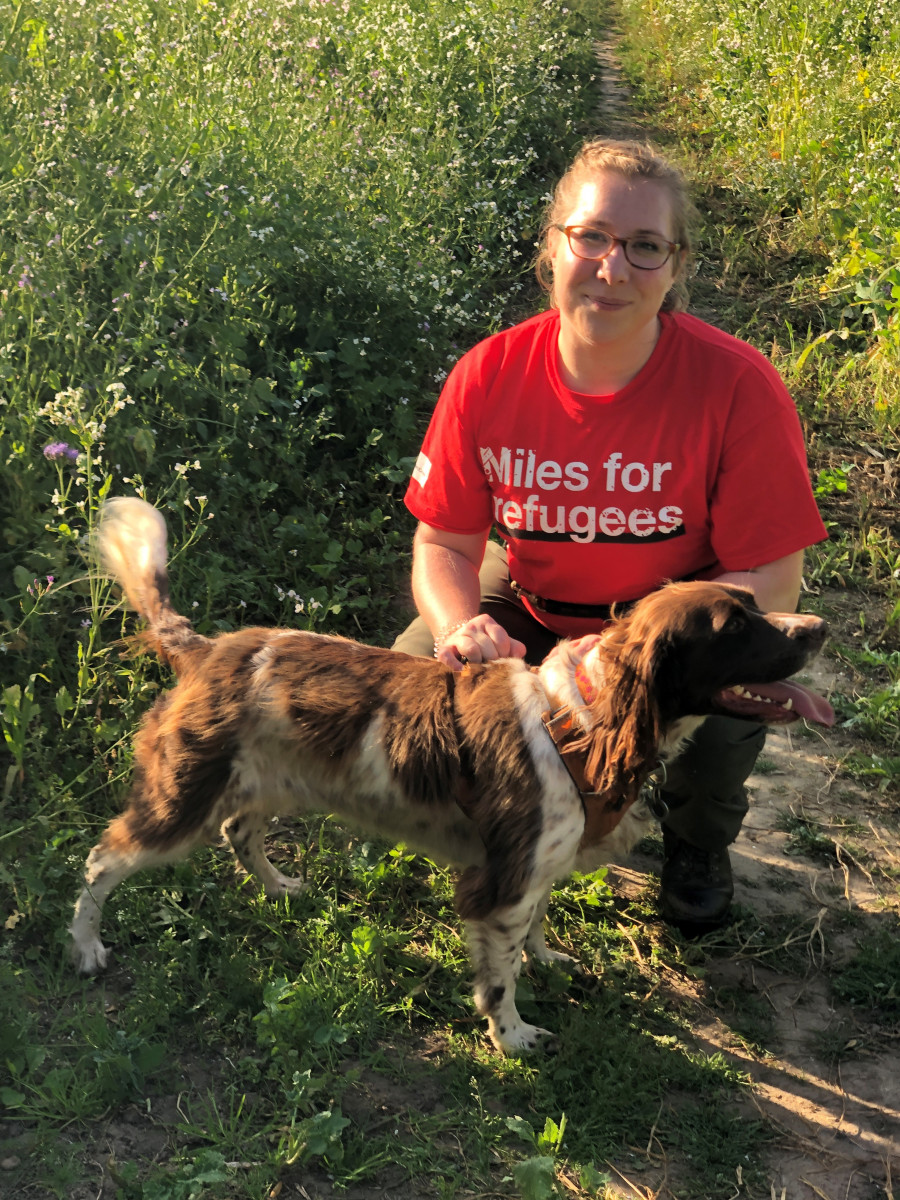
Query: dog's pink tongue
[804,702]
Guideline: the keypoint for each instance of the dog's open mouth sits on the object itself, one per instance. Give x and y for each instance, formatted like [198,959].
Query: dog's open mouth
[775,703]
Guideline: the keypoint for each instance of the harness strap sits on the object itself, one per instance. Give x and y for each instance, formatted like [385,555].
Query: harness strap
[602,810]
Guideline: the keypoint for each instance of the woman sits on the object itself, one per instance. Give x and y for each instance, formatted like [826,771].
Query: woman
[614,443]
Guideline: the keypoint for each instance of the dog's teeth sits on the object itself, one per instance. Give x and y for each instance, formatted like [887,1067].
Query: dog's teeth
[744,694]
[789,703]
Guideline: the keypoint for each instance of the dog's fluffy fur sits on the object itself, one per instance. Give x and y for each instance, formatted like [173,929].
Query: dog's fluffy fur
[456,765]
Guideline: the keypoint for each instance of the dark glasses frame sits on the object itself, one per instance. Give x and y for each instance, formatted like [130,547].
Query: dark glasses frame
[615,241]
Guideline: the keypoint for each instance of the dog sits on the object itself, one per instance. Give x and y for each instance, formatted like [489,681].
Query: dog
[461,766]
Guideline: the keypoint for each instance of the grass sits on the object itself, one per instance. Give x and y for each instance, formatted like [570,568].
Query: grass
[872,977]
[241,246]
[801,102]
[288,1013]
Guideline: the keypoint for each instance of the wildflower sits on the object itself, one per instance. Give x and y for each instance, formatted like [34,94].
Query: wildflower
[55,450]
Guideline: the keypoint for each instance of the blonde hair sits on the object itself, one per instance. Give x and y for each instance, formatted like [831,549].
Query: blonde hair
[632,160]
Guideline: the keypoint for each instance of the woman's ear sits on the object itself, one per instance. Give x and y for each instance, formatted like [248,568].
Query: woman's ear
[554,236]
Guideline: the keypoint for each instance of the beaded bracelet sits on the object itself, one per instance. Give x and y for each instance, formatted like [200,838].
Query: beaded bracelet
[441,636]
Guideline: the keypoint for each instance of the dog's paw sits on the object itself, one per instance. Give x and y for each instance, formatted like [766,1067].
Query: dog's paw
[90,957]
[546,955]
[521,1038]
[283,886]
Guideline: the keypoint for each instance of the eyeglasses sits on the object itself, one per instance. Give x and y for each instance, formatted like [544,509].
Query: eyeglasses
[645,251]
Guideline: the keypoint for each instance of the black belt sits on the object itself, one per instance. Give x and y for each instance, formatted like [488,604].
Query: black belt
[562,608]
[597,612]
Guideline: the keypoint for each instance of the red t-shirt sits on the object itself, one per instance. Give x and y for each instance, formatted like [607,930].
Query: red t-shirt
[696,467]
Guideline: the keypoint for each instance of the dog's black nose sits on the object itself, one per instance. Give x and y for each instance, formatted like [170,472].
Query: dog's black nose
[803,627]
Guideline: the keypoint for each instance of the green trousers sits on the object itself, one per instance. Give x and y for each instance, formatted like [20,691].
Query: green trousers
[704,789]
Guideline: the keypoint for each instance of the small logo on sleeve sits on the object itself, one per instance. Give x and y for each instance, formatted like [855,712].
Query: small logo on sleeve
[422,470]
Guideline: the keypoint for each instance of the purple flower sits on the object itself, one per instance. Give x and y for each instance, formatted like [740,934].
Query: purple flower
[60,450]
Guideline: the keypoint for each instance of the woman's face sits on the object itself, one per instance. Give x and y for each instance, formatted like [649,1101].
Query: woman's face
[610,301]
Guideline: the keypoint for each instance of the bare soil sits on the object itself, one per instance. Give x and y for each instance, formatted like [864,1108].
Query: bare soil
[827,1075]
[828,1079]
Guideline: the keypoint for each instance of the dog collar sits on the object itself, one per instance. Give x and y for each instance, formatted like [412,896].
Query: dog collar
[602,810]
[587,689]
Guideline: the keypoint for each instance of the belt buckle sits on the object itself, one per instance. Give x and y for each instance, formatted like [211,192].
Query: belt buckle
[533,600]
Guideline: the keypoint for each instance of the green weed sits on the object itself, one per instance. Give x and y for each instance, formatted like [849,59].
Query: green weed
[872,977]
[796,105]
[806,837]
[242,246]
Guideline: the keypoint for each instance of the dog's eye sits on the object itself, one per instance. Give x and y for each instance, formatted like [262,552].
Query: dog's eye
[730,617]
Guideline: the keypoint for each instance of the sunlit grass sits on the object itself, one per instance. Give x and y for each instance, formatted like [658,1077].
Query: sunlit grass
[242,244]
[798,105]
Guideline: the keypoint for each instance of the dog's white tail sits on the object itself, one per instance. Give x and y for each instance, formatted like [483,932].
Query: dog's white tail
[130,545]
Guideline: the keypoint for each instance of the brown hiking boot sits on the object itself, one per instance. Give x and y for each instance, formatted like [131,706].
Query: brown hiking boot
[696,885]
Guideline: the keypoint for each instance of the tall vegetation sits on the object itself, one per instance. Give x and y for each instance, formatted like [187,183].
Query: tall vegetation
[801,100]
[241,243]
[250,237]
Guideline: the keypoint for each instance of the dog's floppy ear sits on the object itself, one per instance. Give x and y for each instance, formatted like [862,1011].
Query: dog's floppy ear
[625,718]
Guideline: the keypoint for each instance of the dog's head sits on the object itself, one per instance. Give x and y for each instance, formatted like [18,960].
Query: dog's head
[704,648]
[691,650]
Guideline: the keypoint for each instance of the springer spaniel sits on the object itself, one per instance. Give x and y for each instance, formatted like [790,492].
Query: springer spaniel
[461,766]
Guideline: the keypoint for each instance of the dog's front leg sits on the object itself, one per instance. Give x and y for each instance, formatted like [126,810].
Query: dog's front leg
[536,948]
[495,945]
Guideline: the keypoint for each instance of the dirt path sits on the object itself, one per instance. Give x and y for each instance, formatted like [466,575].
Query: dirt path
[826,1075]
[839,1117]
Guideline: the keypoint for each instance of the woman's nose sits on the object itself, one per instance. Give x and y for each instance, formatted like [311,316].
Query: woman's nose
[613,265]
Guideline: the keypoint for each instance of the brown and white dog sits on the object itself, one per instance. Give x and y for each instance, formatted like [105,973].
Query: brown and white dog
[459,766]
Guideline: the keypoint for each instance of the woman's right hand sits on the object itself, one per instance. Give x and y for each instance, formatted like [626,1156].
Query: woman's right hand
[479,639]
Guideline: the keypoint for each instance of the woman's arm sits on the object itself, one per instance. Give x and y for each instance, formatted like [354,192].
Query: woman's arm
[447,594]
[776,585]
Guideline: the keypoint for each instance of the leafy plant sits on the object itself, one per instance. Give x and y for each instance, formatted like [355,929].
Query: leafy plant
[796,105]
[872,977]
[806,837]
